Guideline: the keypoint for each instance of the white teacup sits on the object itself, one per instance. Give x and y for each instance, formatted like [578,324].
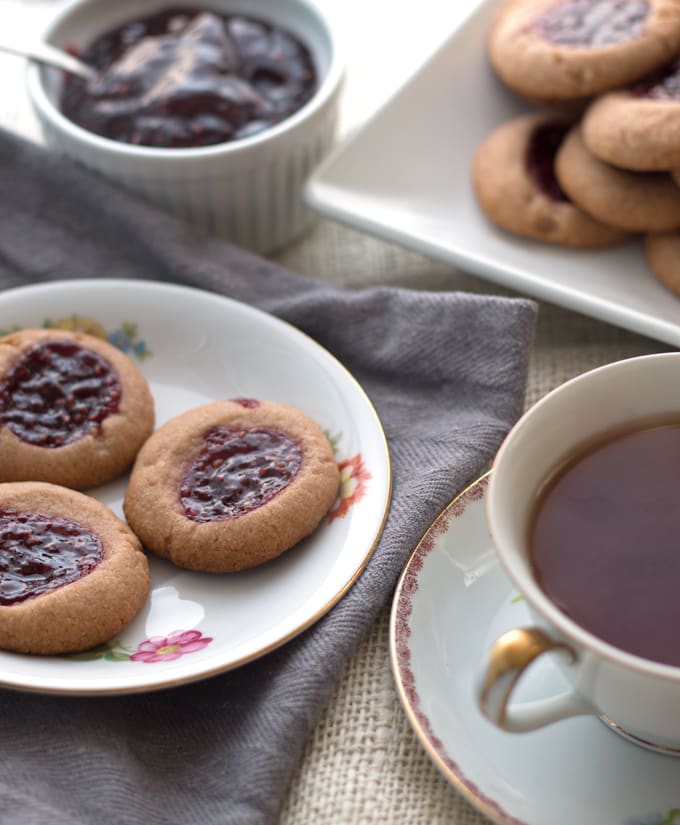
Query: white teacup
[638,698]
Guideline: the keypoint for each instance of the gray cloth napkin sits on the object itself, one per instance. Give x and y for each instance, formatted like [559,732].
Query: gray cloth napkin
[446,372]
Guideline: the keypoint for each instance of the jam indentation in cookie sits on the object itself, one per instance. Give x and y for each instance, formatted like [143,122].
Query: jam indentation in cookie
[58,392]
[592,24]
[544,142]
[40,552]
[661,84]
[248,403]
[237,471]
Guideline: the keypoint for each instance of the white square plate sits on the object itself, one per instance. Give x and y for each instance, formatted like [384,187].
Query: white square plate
[405,176]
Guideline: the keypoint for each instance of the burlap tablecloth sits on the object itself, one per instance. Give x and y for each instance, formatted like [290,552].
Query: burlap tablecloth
[364,764]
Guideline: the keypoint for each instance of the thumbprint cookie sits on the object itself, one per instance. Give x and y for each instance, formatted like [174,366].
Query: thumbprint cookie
[637,128]
[636,201]
[566,49]
[74,409]
[231,484]
[72,574]
[515,184]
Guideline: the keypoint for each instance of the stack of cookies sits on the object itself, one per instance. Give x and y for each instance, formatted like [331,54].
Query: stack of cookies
[600,161]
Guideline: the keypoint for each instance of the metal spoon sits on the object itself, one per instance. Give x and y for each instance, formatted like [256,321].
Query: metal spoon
[51,56]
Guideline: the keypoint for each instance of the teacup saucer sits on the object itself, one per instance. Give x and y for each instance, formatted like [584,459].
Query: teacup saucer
[452,602]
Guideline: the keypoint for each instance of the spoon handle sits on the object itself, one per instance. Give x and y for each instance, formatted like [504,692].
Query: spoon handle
[50,55]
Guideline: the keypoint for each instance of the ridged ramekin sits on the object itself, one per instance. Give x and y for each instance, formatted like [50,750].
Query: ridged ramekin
[248,191]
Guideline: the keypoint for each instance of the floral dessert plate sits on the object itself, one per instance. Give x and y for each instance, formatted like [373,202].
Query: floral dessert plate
[195,347]
[451,603]
[405,176]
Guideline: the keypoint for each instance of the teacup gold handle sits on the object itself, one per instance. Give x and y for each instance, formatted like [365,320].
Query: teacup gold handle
[510,656]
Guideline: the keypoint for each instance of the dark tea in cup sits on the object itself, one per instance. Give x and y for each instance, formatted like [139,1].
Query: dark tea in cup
[605,540]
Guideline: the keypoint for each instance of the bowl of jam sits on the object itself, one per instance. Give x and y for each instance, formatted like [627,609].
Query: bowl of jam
[215,110]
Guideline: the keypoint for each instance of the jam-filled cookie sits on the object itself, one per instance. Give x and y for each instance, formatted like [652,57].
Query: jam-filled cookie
[564,49]
[636,201]
[231,484]
[637,128]
[74,410]
[515,183]
[72,574]
[663,256]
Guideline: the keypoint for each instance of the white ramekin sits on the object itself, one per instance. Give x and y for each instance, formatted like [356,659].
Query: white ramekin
[248,191]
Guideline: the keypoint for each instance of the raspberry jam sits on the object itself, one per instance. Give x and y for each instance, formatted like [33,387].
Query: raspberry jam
[592,24]
[544,143]
[58,392]
[248,403]
[187,77]
[39,553]
[662,84]
[237,471]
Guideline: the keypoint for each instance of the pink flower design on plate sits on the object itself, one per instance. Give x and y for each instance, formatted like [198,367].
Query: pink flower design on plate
[166,648]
